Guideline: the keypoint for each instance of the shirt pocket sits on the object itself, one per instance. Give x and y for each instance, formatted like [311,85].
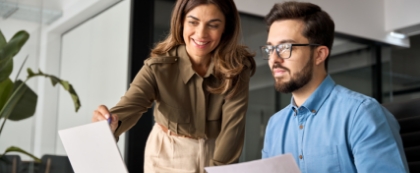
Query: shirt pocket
[174,114]
[322,159]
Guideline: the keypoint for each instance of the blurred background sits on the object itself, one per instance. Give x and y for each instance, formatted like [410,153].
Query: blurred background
[99,46]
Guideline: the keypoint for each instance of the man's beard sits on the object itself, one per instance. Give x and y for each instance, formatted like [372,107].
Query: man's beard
[297,80]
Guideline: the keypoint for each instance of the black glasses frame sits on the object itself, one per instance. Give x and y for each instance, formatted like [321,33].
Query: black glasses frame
[276,48]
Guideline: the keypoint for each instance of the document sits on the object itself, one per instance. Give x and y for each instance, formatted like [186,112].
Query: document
[279,164]
[92,148]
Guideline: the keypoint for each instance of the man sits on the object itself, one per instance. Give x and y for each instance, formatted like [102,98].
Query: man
[326,127]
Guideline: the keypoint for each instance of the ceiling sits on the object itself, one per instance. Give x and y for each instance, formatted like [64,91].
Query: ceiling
[36,11]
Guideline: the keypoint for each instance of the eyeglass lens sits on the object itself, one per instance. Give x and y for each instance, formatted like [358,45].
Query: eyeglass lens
[282,50]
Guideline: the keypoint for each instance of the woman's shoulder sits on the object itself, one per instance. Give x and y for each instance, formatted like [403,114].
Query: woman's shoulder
[160,60]
[166,58]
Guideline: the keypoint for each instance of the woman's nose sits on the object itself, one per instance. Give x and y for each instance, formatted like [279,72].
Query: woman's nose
[201,31]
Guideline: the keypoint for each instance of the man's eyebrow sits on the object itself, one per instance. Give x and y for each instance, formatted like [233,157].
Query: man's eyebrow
[213,20]
[283,41]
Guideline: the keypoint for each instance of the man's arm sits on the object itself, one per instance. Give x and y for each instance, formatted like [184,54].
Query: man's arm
[375,141]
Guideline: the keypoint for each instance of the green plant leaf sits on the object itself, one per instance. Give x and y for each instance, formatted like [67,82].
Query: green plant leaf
[20,105]
[8,51]
[5,91]
[65,84]
[21,66]
[6,69]
[25,107]
[19,150]
[3,41]
[11,103]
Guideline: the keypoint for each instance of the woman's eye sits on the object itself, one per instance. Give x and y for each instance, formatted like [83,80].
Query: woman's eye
[193,22]
[213,26]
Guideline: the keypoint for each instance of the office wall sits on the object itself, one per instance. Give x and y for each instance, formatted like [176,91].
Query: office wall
[360,18]
[94,58]
[74,13]
[38,134]
[401,14]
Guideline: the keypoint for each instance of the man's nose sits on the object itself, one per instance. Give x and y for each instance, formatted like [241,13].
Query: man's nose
[274,57]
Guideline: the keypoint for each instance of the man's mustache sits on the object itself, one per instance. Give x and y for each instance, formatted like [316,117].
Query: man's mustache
[277,65]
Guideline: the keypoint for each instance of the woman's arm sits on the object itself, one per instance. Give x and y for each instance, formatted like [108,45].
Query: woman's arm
[230,141]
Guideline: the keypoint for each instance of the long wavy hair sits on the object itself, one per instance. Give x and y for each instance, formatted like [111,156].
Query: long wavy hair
[229,56]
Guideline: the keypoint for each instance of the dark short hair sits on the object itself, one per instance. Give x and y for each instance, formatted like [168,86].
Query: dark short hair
[319,27]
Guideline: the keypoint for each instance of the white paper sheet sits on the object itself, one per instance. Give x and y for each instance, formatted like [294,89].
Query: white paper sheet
[279,164]
[92,148]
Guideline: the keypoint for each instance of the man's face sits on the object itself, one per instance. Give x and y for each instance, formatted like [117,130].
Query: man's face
[295,72]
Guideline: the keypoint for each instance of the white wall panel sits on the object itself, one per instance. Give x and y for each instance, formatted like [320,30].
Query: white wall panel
[401,14]
[95,60]
[359,18]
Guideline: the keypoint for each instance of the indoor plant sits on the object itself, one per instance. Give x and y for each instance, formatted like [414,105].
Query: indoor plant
[17,100]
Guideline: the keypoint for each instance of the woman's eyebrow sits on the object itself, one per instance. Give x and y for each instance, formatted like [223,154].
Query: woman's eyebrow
[190,16]
[195,18]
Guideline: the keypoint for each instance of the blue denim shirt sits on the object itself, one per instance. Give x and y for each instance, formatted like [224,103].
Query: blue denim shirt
[337,130]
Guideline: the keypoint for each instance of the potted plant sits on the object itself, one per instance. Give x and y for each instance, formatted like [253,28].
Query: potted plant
[17,100]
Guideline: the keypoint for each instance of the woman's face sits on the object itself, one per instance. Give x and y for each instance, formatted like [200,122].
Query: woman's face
[203,29]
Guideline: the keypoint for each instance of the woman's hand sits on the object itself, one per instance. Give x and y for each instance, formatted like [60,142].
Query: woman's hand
[102,113]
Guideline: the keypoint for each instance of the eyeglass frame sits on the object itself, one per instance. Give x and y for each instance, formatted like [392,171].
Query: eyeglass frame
[277,49]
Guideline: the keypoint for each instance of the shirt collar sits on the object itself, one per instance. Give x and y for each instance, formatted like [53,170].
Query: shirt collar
[318,97]
[185,66]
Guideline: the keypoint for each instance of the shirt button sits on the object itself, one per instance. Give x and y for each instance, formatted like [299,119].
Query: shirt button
[300,157]
[313,111]
[301,126]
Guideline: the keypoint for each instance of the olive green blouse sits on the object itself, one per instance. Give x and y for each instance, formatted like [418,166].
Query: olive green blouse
[184,105]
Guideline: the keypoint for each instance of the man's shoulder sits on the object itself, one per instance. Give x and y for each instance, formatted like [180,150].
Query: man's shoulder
[341,93]
[357,104]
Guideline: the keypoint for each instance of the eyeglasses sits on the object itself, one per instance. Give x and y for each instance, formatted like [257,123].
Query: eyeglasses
[283,50]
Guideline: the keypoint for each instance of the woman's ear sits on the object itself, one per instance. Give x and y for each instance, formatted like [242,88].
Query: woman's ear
[321,54]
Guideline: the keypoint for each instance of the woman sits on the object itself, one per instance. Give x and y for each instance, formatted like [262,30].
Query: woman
[198,78]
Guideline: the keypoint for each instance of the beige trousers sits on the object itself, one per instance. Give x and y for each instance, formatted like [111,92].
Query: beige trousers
[169,153]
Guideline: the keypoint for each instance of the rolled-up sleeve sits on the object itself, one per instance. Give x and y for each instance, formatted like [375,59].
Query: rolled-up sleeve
[230,140]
